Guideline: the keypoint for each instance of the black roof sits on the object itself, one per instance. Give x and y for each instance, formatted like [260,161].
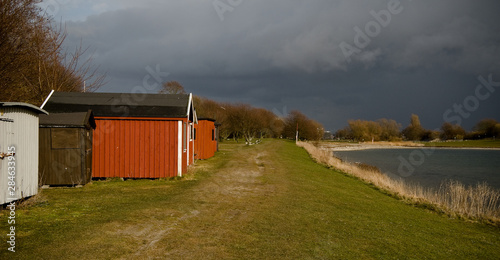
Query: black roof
[70,120]
[206,118]
[121,104]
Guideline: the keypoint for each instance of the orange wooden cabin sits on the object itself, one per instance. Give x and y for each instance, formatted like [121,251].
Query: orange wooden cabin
[138,135]
[206,138]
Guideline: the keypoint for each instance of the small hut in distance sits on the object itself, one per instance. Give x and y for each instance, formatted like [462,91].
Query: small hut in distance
[206,138]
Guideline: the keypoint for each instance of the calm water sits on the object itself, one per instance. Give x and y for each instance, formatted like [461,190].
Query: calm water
[429,167]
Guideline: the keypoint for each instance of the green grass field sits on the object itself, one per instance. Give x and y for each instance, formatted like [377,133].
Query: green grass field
[268,201]
[485,143]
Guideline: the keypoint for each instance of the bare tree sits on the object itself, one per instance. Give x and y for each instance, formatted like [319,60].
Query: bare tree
[245,121]
[390,130]
[33,60]
[270,124]
[450,131]
[488,128]
[380,130]
[344,133]
[172,87]
[414,131]
[365,130]
[308,129]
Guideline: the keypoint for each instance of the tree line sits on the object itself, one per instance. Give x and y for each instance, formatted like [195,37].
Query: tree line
[33,61]
[240,120]
[390,130]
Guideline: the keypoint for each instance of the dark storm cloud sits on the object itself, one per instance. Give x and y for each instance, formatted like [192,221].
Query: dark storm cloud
[287,54]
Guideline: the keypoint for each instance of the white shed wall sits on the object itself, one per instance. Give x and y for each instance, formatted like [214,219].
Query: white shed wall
[23,134]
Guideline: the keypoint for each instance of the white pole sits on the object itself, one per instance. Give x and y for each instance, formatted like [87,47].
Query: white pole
[47,99]
[297,134]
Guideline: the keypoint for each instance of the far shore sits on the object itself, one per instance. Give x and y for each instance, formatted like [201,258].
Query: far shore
[345,146]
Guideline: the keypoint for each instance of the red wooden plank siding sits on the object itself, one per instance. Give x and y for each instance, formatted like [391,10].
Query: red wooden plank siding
[140,169]
[127,149]
[121,149]
[131,149]
[95,154]
[163,152]
[152,141]
[103,142]
[156,154]
[205,146]
[135,148]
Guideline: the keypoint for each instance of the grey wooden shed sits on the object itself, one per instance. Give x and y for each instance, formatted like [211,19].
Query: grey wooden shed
[66,148]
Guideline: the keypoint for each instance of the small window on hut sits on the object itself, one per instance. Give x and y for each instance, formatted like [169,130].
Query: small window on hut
[64,138]
[213,134]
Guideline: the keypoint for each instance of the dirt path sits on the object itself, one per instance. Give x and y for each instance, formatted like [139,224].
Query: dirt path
[210,215]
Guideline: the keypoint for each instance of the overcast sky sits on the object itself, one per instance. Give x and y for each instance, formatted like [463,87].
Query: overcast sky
[332,60]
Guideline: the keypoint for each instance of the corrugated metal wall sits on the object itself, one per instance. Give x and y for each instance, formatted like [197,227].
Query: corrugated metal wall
[205,143]
[135,148]
[23,134]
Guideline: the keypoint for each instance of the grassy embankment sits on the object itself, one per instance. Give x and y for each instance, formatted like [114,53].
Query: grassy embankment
[479,202]
[486,143]
[261,202]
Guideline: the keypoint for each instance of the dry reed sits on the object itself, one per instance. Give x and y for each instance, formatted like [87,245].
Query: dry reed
[479,202]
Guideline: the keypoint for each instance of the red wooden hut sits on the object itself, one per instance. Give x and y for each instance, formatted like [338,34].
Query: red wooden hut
[205,138]
[138,135]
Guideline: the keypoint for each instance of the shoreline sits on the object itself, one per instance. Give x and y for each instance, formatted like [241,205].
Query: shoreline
[337,150]
[373,146]
[449,198]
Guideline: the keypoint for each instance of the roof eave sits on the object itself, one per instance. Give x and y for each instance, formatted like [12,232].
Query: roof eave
[25,105]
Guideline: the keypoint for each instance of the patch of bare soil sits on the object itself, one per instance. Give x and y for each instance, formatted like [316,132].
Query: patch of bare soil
[209,217]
